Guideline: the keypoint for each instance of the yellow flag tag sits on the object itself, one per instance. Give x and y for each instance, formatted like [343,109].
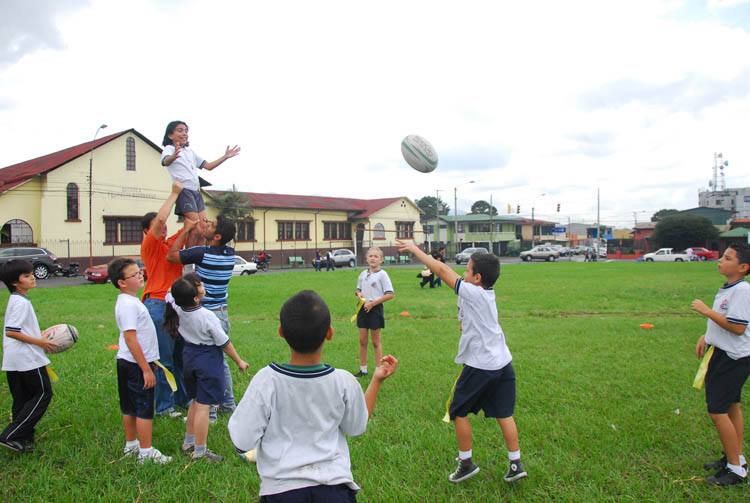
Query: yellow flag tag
[359,306]
[52,376]
[170,378]
[447,416]
[700,376]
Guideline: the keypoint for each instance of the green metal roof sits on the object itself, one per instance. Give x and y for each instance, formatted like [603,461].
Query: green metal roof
[739,232]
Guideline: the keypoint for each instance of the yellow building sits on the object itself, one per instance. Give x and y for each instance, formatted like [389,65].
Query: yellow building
[45,202]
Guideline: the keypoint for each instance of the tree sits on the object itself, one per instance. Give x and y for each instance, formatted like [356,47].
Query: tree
[684,230]
[483,207]
[427,204]
[662,214]
[233,205]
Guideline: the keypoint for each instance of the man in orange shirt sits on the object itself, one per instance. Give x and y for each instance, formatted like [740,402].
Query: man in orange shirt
[161,275]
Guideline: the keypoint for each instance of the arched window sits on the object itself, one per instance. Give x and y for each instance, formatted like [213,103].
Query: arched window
[130,154]
[72,202]
[378,232]
[16,231]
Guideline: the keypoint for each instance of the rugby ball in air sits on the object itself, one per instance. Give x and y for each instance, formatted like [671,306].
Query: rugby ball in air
[62,335]
[419,153]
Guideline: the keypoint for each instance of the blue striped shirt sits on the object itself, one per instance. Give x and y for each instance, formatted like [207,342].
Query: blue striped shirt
[214,264]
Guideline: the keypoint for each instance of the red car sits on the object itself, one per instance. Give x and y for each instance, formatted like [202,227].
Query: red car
[98,273]
[701,253]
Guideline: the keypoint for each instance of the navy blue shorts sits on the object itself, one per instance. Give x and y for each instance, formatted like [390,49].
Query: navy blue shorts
[203,373]
[373,320]
[134,400]
[189,201]
[341,493]
[724,380]
[493,391]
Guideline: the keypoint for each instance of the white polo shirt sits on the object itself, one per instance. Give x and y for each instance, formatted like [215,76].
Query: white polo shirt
[131,314]
[482,344]
[17,355]
[374,284]
[185,168]
[201,326]
[732,301]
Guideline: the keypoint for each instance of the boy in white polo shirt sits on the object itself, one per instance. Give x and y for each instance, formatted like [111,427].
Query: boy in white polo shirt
[487,380]
[727,331]
[139,348]
[23,358]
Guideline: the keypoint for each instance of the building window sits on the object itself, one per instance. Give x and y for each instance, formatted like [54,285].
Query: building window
[130,154]
[121,230]
[246,230]
[428,229]
[73,202]
[405,230]
[294,231]
[481,227]
[337,230]
[16,231]
[378,232]
[460,227]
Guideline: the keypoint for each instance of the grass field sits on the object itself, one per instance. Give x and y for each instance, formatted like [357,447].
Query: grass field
[597,395]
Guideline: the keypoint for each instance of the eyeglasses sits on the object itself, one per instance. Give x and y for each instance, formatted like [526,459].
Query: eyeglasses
[139,273]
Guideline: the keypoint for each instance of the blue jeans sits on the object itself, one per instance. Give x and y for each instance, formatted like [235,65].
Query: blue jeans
[228,401]
[170,355]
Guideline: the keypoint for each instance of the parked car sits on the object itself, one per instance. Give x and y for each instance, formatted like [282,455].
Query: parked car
[540,253]
[242,267]
[666,255]
[43,260]
[463,256]
[98,273]
[342,257]
[562,250]
[701,253]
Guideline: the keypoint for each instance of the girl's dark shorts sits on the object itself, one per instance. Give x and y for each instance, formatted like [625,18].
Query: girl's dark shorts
[203,373]
[724,380]
[341,493]
[189,201]
[373,320]
[493,391]
[134,400]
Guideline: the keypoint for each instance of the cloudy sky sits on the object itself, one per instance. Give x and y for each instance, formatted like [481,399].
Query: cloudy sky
[525,98]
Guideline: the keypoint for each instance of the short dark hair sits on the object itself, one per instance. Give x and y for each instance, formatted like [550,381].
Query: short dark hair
[743,253]
[146,220]
[488,265]
[115,268]
[11,271]
[170,129]
[305,320]
[226,228]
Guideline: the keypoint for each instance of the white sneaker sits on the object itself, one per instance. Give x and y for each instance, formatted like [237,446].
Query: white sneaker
[155,457]
[131,451]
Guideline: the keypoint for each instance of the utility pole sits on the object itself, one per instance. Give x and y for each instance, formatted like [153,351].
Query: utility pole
[598,225]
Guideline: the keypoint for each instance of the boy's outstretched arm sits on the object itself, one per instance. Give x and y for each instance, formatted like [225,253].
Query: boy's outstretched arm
[441,269]
[160,220]
[386,368]
[700,307]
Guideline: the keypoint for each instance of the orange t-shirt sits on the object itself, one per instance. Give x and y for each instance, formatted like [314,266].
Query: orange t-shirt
[161,274]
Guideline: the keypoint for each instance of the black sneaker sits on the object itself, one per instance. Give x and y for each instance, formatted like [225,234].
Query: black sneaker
[360,374]
[515,471]
[719,464]
[466,469]
[13,445]
[725,477]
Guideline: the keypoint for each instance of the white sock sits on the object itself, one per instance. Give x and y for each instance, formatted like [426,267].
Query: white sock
[131,444]
[145,453]
[743,461]
[189,439]
[363,368]
[464,454]
[514,455]
[738,470]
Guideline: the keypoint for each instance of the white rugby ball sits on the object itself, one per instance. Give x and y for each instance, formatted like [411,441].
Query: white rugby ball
[419,153]
[63,335]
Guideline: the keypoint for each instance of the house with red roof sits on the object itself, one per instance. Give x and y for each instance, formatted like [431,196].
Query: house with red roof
[88,200]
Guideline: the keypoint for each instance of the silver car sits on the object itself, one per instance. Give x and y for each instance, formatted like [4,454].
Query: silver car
[540,253]
[464,256]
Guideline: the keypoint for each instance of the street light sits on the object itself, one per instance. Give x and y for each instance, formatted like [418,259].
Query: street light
[91,174]
[455,211]
[533,234]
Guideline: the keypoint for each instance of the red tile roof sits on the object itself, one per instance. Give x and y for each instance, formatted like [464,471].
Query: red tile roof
[359,208]
[16,174]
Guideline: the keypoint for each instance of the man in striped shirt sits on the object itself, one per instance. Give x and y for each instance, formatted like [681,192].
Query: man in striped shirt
[214,263]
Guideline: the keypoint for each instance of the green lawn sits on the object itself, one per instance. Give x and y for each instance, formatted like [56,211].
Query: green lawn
[597,395]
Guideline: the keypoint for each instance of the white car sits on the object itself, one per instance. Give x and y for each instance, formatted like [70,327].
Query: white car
[343,257]
[242,267]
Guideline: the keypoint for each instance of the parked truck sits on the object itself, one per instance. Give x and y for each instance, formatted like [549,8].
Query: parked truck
[666,255]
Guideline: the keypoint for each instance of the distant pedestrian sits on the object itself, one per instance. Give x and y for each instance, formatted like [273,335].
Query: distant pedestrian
[329,261]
